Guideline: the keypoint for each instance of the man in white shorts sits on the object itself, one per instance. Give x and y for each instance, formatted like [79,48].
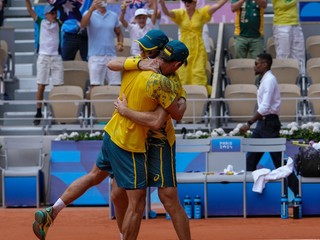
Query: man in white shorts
[49,63]
[102,27]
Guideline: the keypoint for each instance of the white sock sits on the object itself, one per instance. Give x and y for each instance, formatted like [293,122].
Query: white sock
[58,206]
[121,236]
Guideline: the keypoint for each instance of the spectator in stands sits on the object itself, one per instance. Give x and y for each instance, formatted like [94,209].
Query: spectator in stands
[49,63]
[205,30]
[102,26]
[267,115]
[2,5]
[150,6]
[287,32]
[139,27]
[249,23]
[190,22]
[75,38]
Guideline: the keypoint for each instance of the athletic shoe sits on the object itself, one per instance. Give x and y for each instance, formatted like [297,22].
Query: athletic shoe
[43,220]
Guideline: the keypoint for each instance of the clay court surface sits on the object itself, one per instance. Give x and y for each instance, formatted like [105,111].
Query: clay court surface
[92,223]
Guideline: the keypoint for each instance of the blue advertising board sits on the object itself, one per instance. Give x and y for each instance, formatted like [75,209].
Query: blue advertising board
[226,145]
[309,11]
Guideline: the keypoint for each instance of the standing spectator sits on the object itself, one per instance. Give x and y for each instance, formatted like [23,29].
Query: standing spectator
[249,23]
[49,63]
[190,22]
[102,26]
[150,6]
[75,38]
[2,5]
[205,30]
[267,115]
[139,27]
[287,32]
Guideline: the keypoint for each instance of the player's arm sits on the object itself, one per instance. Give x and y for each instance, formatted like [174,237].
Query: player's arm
[133,63]
[154,120]
[30,10]
[177,109]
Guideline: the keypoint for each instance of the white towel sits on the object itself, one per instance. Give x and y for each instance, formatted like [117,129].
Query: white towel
[263,175]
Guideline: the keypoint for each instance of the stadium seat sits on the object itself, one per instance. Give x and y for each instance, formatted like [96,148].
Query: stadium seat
[313,70]
[231,188]
[268,202]
[21,174]
[103,98]
[191,178]
[197,99]
[313,46]
[240,71]
[271,47]
[290,109]
[65,104]
[76,73]
[313,102]
[240,102]
[286,70]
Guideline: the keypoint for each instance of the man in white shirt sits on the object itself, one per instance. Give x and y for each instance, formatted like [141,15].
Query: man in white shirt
[267,116]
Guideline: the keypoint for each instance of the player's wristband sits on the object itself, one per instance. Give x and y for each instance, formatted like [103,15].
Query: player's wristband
[131,64]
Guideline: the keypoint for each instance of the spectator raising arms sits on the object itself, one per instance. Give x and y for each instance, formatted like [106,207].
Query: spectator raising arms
[102,27]
[140,26]
[190,22]
[49,63]
[248,32]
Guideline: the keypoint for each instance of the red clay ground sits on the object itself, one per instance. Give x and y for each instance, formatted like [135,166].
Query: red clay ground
[92,223]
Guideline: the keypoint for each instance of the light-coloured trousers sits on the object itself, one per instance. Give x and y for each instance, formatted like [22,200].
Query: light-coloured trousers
[289,43]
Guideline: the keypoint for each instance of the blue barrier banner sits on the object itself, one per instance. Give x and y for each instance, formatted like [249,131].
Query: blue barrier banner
[226,145]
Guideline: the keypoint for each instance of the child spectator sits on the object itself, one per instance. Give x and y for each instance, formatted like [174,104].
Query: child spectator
[49,63]
[139,27]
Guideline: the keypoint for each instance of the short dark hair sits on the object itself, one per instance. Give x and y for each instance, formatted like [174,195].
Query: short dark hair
[266,57]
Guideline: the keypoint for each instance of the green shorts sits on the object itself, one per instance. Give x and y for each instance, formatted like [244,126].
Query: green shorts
[128,168]
[161,164]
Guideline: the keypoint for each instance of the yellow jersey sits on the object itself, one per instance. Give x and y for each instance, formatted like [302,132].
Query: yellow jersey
[285,12]
[144,91]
